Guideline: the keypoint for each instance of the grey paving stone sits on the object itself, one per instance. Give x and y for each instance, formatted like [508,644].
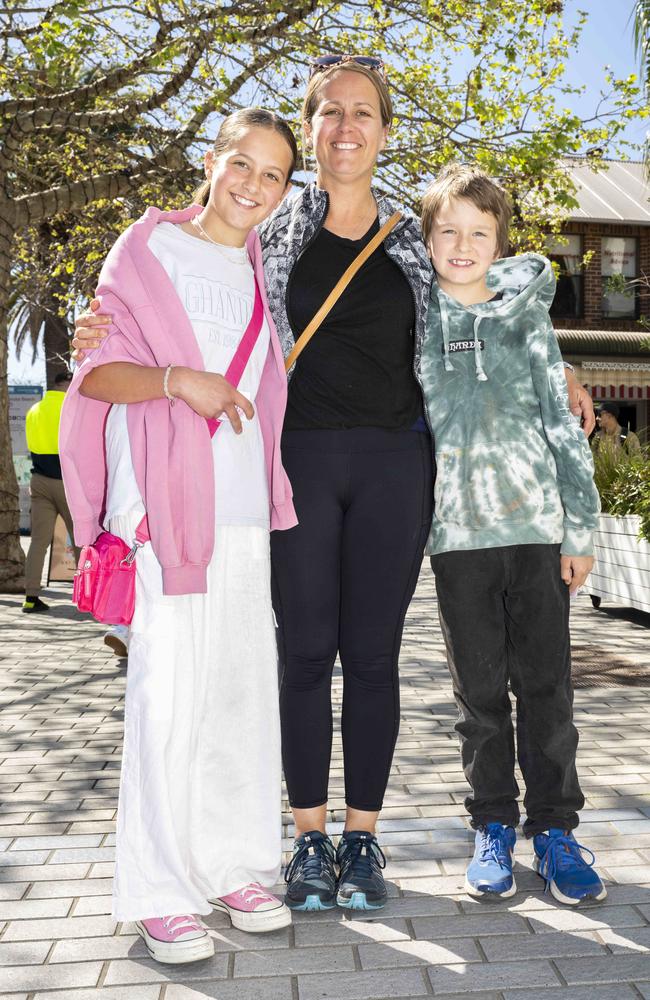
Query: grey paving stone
[437,928]
[43,873]
[92,854]
[71,887]
[70,927]
[618,992]
[397,954]
[145,970]
[27,843]
[13,890]
[7,858]
[510,948]
[24,952]
[30,909]
[613,969]
[99,948]
[43,977]
[292,961]
[363,985]
[278,988]
[114,993]
[558,918]
[350,932]
[473,978]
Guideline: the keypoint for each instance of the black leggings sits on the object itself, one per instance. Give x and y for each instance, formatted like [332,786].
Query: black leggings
[342,581]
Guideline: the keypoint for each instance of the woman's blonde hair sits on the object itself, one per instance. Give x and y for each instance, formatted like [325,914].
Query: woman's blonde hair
[461,181]
[318,80]
[231,130]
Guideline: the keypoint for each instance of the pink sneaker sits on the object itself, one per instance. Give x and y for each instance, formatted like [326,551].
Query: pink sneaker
[176,940]
[253,909]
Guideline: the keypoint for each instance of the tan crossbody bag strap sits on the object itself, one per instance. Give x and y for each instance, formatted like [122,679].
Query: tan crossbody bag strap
[338,290]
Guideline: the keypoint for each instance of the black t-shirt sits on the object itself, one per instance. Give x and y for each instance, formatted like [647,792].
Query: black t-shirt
[357,370]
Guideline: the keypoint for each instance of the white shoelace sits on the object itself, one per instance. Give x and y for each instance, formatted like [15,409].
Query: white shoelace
[184,922]
[255,892]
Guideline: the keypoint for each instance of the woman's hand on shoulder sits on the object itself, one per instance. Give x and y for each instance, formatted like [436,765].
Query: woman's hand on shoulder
[90,330]
[210,395]
[580,402]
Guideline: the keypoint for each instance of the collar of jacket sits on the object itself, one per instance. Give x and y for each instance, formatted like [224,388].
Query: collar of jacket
[297,221]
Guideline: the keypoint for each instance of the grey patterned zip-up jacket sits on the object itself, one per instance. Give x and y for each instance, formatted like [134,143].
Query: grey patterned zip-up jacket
[514,467]
[297,222]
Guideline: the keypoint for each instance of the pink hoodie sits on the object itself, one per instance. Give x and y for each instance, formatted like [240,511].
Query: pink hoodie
[170,446]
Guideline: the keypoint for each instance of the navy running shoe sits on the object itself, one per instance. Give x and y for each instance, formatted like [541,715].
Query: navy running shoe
[489,873]
[311,875]
[560,861]
[361,883]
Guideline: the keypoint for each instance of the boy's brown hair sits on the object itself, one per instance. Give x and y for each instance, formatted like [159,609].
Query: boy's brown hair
[458,181]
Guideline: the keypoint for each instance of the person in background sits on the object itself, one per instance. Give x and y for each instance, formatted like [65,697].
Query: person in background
[610,436]
[46,487]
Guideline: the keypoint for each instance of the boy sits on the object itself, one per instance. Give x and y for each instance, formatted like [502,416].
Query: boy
[511,538]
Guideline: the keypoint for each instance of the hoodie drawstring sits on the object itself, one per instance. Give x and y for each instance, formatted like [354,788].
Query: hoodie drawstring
[444,322]
[478,360]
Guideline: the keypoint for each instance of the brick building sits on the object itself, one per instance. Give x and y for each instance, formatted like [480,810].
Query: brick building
[597,324]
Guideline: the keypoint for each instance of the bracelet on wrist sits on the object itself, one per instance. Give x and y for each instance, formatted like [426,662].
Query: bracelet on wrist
[172,399]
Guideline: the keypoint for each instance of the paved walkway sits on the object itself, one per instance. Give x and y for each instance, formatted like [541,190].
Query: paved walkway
[61,721]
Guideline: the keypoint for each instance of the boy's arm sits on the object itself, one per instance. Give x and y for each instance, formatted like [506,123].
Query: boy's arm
[575,467]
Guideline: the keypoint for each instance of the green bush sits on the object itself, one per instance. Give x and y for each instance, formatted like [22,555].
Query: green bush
[623,482]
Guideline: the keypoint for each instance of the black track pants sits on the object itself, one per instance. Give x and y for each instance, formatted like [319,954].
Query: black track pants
[342,581]
[504,613]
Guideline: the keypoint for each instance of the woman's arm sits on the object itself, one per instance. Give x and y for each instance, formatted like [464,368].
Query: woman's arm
[207,393]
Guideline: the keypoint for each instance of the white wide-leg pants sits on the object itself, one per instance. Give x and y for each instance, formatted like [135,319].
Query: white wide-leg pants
[199,809]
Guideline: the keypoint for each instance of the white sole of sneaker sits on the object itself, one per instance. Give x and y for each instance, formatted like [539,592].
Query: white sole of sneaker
[255,923]
[487,894]
[569,900]
[178,953]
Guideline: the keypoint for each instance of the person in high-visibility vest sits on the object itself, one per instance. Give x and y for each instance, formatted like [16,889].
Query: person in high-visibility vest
[46,486]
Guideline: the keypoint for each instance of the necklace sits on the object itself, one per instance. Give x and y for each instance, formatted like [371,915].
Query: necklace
[240,257]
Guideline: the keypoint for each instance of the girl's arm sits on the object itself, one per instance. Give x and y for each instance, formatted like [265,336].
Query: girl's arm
[207,393]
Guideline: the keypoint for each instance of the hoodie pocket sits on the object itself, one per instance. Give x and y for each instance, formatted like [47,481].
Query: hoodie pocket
[490,482]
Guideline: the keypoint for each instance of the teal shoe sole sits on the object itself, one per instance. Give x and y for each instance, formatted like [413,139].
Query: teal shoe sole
[311,904]
[358,901]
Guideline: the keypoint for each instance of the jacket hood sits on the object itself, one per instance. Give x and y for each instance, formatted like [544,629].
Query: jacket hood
[519,282]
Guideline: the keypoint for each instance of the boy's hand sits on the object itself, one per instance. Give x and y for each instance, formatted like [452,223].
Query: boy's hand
[574,570]
[580,402]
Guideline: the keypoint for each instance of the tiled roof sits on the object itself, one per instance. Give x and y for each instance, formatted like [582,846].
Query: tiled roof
[620,192]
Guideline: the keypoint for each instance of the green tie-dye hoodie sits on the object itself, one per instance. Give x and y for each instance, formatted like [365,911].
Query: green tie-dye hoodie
[513,466]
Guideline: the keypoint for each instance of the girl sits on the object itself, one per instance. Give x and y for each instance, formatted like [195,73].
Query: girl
[199,822]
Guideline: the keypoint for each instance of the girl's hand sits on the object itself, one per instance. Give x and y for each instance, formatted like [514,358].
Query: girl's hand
[210,395]
[580,402]
[89,331]
[575,570]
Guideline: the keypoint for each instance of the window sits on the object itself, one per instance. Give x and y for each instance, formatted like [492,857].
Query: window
[566,252]
[619,262]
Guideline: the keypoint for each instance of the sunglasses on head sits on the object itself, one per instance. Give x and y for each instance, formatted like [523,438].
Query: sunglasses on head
[321,63]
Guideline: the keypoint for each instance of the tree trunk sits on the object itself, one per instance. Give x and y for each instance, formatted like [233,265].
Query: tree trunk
[12,559]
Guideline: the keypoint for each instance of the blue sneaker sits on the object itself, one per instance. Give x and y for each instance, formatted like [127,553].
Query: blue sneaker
[311,875]
[361,883]
[559,860]
[489,873]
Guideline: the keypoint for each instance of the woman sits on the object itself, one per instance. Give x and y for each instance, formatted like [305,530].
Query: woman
[359,458]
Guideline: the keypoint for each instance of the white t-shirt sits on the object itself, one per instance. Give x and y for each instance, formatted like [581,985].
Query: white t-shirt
[216,287]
